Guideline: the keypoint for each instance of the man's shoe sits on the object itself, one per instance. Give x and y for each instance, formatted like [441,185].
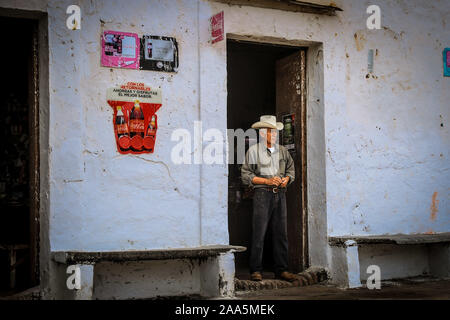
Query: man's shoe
[288,276]
[256,276]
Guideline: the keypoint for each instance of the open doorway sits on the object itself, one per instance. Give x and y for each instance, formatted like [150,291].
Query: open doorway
[19,165]
[268,79]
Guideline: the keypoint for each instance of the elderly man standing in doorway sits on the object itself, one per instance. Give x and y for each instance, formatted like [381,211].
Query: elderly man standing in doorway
[269,169]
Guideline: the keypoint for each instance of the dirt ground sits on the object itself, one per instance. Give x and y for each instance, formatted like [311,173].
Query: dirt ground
[405,289]
[420,288]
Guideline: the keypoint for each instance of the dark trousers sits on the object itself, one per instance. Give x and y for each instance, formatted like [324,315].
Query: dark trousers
[269,210]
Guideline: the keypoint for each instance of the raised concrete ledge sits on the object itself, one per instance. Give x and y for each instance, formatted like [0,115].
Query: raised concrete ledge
[213,276]
[345,254]
[86,257]
[400,239]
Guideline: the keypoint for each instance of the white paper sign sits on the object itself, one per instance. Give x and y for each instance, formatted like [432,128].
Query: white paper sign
[129,47]
[161,50]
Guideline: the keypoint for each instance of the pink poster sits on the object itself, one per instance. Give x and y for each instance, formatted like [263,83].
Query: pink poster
[120,50]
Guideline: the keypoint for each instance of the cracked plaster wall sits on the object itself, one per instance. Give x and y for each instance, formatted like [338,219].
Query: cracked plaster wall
[102,200]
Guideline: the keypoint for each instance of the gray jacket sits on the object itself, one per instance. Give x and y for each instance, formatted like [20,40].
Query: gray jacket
[260,162]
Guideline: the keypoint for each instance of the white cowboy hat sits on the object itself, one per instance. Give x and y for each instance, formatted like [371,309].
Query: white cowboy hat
[268,122]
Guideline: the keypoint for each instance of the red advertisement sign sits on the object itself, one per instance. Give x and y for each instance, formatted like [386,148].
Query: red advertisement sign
[135,121]
[217,27]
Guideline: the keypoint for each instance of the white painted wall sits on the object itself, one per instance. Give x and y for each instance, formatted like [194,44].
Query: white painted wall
[387,153]
[102,200]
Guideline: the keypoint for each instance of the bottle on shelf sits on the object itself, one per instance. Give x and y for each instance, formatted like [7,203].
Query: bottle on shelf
[151,127]
[149,140]
[136,121]
[137,127]
[122,130]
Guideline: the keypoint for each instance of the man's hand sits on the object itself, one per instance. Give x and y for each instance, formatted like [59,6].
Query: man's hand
[275,181]
[284,182]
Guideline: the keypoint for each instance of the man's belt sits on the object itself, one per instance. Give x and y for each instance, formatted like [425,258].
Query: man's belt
[274,189]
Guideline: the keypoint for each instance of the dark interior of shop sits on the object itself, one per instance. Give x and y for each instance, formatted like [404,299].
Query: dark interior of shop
[15,160]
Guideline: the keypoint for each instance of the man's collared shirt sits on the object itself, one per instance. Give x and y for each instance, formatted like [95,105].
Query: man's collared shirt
[261,162]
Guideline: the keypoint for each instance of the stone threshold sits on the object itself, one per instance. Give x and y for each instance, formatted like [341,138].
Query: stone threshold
[313,275]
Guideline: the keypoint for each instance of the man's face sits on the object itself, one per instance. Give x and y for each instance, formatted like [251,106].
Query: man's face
[269,135]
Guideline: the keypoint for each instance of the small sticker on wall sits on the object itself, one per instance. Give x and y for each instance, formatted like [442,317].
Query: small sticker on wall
[159,53]
[120,50]
[447,62]
[217,27]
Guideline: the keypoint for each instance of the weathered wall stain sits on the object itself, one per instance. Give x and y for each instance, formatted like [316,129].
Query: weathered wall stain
[434,206]
[360,41]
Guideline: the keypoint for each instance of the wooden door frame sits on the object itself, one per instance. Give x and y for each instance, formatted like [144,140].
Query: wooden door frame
[304,182]
[303,46]
[34,150]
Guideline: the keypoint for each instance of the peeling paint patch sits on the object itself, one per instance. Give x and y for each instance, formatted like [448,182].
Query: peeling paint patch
[434,206]
[360,41]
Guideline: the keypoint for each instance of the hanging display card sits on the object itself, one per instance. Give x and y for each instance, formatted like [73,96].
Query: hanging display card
[288,133]
[120,50]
